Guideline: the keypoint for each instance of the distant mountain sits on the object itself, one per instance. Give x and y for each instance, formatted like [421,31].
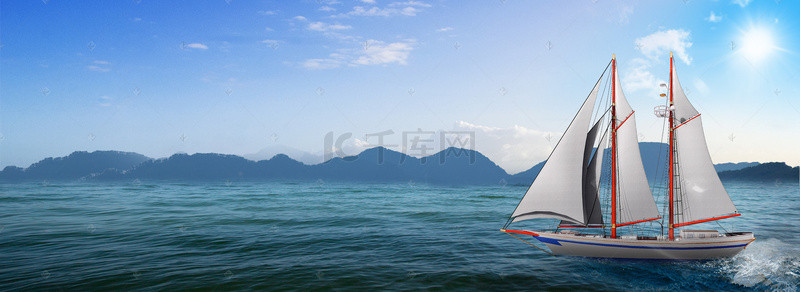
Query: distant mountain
[296,154]
[198,166]
[733,166]
[772,171]
[450,166]
[526,177]
[76,165]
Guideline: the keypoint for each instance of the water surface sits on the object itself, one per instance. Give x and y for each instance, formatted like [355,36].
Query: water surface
[343,236]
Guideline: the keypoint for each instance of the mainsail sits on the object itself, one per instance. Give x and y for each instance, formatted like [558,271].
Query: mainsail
[635,201]
[557,191]
[702,193]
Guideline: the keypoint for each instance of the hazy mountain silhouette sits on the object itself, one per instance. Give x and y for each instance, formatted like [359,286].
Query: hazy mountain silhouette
[772,171]
[728,166]
[452,165]
[192,167]
[296,154]
[76,165]
[449,166]
[526,177]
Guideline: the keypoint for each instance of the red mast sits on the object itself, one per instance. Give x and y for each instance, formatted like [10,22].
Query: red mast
[613,146]
[671,157]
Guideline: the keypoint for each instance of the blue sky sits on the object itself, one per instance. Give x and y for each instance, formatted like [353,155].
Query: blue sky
[238,77]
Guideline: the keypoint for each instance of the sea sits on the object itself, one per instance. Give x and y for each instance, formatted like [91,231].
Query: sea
[321,236]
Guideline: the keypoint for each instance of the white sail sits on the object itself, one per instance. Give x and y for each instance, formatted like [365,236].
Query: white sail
[699,186]
[557,191]
[635,201]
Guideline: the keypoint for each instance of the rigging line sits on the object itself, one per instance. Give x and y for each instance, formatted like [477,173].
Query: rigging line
[607,185]
[605,173]
[511,217]
[603,96]
[625,120]
[684,123]
[658,164]
[720,226]
[539,248]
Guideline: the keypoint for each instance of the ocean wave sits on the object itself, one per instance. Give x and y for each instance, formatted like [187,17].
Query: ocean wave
[766,264]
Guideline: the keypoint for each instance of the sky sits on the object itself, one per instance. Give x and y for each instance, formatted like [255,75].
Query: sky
[254,78]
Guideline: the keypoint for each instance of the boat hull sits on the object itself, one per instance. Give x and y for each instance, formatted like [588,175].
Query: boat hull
[631,248]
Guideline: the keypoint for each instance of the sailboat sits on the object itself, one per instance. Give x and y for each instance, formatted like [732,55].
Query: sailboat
[568,187]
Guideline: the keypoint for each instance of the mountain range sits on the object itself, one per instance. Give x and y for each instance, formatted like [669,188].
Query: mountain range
[450,166]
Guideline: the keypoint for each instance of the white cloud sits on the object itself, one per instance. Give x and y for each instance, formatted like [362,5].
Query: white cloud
[272,43]
[137,19]
[368,1]
[515,149]
[701,86]
[655,45]
[105,101]
[268,12]
[714,18]
[321,26]
[638,78]
[625,13]
[377,52]
[327,8]
[444,29]
[197,46]
[409,11]
[410,3]
[99,66]
[408,8]
[374,11]
[300,18]
[741,3]
[374,52]
[318,64]
[350,147]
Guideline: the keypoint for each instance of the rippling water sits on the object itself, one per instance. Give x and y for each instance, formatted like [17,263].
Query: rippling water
[322,235]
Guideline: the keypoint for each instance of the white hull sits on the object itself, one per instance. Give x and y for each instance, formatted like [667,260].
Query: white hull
[726,245]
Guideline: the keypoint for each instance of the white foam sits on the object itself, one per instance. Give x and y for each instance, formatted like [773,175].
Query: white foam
[768,263]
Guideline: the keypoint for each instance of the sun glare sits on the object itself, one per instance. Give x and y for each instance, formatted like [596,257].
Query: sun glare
[757,44]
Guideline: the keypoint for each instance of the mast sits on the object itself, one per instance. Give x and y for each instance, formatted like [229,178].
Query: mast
[671,157]
[613,146]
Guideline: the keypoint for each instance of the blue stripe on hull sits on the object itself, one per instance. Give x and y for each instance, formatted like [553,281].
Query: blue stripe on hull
[556,242]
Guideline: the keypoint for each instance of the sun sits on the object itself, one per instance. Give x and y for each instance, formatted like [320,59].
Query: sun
[757,44]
